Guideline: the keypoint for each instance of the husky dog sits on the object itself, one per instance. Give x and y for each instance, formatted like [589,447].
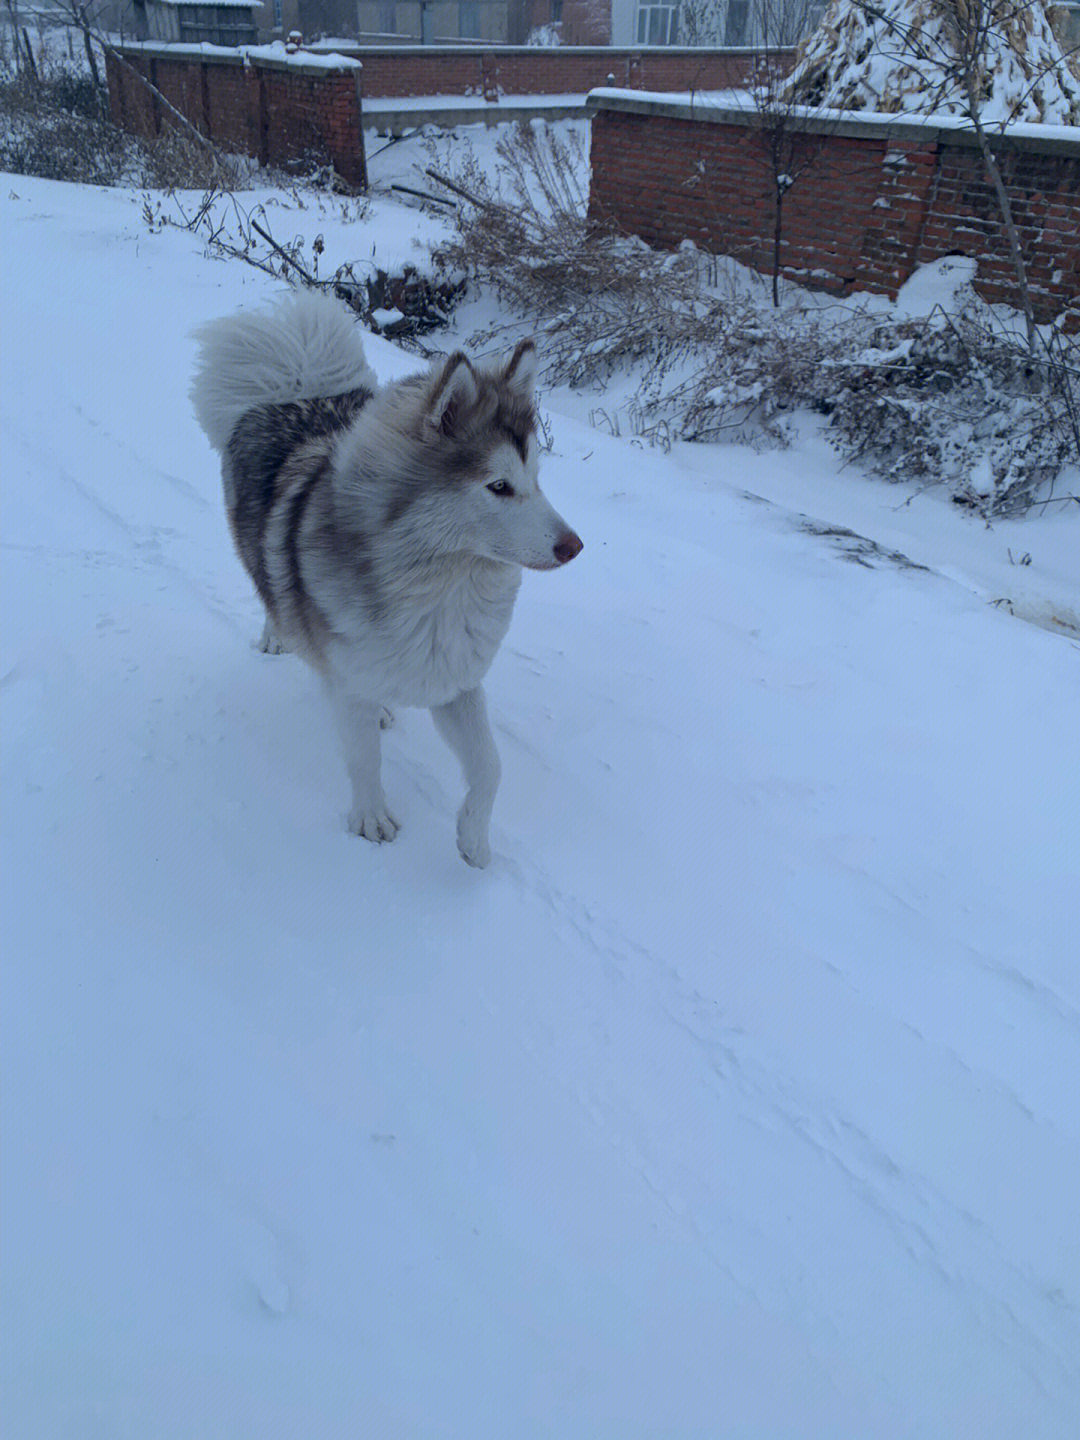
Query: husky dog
[384,528]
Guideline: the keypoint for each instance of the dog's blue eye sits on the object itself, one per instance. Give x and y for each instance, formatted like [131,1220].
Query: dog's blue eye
[501,487]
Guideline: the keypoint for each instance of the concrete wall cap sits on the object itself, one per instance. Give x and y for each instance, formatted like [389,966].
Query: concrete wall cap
[723,108]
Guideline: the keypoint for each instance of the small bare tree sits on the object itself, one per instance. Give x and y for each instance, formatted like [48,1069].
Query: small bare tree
[791,148]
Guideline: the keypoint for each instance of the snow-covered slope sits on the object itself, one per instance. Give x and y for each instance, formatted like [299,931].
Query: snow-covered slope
[737,1098]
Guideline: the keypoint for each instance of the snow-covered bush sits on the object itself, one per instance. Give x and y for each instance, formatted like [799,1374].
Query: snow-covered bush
[53,124]
[953,401]
[1000,57]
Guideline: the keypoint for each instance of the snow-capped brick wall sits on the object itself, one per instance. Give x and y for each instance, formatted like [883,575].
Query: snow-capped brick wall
[259,102]
[399,72]
[277,107]
[871,198]
[411,70]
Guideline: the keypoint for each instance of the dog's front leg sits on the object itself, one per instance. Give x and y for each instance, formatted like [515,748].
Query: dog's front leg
[463,724]
[358,723]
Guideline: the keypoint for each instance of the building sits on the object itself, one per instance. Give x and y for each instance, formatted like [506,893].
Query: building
[217,22]
[1065,18]
[435,22]
[567,22]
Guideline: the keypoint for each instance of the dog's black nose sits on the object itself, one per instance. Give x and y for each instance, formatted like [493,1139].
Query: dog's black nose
[568,546]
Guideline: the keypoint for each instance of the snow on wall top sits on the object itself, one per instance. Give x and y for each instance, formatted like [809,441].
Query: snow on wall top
[277,52]
[274,53]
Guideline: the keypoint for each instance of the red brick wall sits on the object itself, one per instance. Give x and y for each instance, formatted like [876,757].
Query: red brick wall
[231,117]
[273,112]
[397,73]
[279,112]
[1044,190]
[863,212]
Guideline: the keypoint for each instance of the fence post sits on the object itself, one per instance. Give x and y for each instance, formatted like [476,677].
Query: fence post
[204,95]
[358,84]
[256,113]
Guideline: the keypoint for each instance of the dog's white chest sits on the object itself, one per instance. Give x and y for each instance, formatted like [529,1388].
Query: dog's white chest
[438,642]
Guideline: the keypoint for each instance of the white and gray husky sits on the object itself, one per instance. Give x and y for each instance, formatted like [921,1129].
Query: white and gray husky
[384,528]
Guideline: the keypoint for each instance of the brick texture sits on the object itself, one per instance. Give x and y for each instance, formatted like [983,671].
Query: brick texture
[274,113]
[278,113]
[862,213]
[410,71]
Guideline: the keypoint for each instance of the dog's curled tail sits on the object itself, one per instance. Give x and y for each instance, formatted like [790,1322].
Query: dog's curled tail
[305,347]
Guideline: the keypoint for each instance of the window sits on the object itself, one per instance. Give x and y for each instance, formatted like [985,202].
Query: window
[657,24]
[469,20]
[738,13]
[217,24]
[1067,24]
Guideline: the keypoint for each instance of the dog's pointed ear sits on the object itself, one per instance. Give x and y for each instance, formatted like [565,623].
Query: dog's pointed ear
[455,393]
[520,373]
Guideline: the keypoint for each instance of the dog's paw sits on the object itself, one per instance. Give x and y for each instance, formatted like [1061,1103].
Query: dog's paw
[386,719]
[269,643]
[376,824]
[472,839]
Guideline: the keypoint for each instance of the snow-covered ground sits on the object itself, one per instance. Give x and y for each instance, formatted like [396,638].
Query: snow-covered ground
[737,1099]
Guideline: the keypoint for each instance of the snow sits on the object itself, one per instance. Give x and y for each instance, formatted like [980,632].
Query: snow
[274,51]
[277,51]
[935,286]
[473,102]
[384,317]
[367,233]
[737,1098]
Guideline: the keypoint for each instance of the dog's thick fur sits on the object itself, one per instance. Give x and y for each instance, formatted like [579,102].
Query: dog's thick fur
[384,529]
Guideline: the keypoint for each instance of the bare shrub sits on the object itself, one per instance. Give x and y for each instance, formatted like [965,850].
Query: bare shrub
[403,303]
[945,400]
[601,300]
[173,161]
[54,124]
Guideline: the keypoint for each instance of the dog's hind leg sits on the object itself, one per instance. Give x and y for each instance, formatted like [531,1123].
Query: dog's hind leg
[358,724]
[463,724]
[270,642]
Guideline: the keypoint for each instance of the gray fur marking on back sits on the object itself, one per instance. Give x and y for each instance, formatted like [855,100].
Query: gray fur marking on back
[261,444]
